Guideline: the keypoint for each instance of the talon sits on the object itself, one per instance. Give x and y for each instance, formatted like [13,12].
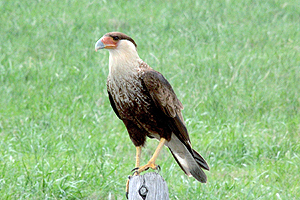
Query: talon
[134,169]
[135,173]
[158,168]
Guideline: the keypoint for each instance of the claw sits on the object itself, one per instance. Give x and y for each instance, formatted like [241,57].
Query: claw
[158,168]
[135,173]
[146,168]
[134,169]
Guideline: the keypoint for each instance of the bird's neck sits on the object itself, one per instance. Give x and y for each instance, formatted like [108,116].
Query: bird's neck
[123,61]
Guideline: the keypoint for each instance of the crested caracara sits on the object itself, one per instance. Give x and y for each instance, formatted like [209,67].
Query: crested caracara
[145,101]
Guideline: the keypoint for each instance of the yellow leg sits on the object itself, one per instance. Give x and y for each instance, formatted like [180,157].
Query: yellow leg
[138,156]
[151,164]
[137,165]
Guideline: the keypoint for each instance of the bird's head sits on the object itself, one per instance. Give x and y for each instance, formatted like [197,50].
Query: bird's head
[115,40]
[123,56]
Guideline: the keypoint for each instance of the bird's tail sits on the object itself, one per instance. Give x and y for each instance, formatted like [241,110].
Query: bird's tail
[191,162]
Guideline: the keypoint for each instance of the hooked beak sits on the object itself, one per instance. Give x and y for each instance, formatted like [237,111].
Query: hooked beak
[99,45]
[105,42]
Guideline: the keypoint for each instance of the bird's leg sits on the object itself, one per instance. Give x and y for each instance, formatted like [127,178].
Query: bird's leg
[138,156]
[151,164]
[137,165]
[137,159]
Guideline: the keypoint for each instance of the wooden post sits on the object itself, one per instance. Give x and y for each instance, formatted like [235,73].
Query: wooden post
[149,186]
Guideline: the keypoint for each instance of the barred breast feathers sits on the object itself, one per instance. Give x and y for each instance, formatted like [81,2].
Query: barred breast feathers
[125,86]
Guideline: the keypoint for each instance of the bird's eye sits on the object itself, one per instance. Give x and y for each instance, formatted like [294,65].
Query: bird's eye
[115,37]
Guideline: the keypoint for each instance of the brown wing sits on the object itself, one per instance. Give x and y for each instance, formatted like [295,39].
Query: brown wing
[165,99]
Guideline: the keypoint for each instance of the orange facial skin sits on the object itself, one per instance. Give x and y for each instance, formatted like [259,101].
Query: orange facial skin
[106,42]
[109,42]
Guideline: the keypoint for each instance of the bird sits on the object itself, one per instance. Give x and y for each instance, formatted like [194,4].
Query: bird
[148,106]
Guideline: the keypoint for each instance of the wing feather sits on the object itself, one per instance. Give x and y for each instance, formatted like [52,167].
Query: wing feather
[165,99]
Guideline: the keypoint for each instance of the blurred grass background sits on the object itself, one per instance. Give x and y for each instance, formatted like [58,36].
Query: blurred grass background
[235,65]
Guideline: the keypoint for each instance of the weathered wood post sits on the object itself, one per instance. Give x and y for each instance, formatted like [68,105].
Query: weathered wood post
[150,186]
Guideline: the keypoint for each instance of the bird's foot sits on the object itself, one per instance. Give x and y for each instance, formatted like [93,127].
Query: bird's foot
[150,164]
[136,171]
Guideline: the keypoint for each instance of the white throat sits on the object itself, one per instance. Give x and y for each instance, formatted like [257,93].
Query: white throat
[123,60]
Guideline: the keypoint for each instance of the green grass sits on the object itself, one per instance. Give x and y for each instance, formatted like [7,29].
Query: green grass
[235,65]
